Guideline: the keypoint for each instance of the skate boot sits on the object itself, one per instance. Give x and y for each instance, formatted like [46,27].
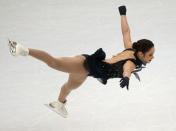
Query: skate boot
[17,49]
[59,108]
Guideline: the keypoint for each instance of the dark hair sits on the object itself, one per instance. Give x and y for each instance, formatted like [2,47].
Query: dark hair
[143,45]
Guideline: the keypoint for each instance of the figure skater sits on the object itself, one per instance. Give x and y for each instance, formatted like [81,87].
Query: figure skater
[79,67]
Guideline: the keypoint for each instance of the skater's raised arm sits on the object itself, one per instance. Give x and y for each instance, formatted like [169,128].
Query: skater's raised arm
[125,28]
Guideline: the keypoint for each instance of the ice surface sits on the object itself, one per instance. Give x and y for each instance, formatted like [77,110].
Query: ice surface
[68,28]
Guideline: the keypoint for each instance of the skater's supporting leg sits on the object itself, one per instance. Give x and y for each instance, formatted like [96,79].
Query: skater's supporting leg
[64,91]
[74,81]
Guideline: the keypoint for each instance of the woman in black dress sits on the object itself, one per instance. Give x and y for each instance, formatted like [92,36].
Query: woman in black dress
[79,67]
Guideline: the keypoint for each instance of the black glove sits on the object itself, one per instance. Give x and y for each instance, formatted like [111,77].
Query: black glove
[124,82]
[122,10]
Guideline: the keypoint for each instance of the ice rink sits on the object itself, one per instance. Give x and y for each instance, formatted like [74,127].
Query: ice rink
[72,27]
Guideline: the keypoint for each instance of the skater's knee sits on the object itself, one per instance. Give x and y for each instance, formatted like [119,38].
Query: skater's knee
[75,80]
[52,62]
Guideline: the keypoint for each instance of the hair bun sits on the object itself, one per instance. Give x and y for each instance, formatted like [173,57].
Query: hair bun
[135,45]
[142,45]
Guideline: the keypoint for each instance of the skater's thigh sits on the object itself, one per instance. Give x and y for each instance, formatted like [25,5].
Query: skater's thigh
[75,80]
[72,64]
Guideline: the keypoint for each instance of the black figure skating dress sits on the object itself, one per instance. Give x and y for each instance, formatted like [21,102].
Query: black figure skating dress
[103,71]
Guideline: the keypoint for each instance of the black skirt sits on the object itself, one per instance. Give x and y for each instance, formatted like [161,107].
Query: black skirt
[94,64]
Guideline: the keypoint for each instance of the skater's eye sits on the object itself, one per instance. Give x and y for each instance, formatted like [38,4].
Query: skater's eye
[150,54]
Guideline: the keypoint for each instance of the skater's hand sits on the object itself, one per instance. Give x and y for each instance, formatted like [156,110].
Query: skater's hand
[122,10]
[124,82]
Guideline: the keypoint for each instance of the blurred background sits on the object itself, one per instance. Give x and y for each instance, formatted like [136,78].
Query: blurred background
[72,27]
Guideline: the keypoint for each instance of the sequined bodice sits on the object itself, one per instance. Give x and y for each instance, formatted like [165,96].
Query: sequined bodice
[102,70]
[113,70]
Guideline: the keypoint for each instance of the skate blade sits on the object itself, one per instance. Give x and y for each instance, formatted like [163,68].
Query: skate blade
[56,111]
[12,47]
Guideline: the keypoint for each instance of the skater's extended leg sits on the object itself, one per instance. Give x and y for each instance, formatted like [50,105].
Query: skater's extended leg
[66,64]
[42,55]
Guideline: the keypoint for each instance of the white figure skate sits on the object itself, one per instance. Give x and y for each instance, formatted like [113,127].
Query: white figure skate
[58,107]
[17,49]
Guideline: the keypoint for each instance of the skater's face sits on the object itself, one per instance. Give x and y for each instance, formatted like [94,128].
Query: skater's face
[148,56]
